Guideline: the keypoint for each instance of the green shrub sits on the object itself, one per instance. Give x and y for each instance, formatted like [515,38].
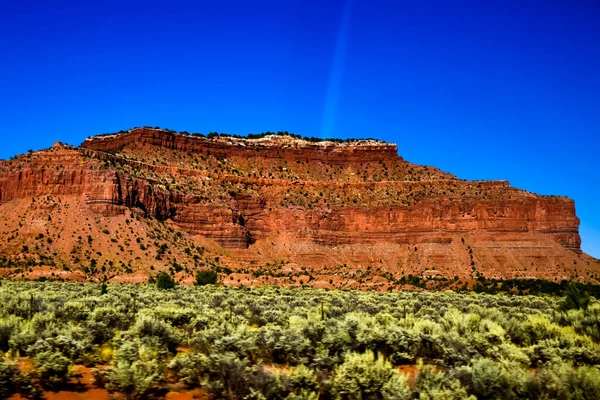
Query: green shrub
[225,376]
[53,369]
[432,384]
[8,379]
[148,327]
[72,344]
[488,379]
[136,372]
[8,327]
[206,277]
[575,299]
[365,376]
[22,338]
[136,380]
[12,381]
[283,346]
[164,281]
[278,343]
[303,395]
[103,323]
[585,383]
[188,368]
[562,381]
[302,380]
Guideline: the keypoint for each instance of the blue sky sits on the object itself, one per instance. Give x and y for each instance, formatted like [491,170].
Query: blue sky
[482,89]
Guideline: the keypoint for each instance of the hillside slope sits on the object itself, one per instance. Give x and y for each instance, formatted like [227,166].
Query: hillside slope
[272,209]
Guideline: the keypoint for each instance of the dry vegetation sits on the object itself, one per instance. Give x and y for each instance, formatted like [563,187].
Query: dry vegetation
[274,343]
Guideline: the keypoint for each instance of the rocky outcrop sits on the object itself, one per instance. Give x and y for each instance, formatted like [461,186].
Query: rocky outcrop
[271,146]
[428,219]
[241,192]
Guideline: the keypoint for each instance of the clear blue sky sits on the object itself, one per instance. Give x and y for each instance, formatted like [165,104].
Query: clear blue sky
[483,89]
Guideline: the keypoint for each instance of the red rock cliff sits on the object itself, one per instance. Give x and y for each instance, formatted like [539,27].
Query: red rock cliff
[439,208]
[242,192]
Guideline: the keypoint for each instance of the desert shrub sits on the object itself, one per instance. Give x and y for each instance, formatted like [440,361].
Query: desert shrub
[53,369]
[575,298]
[206,277]
[403,345]
[8,379]
[188,368]
[432,384]
[584,383]
[149,327]
[264,384]
[278,343]
[240,340]
[365,376]
[24,305]
[73,311]
[136,372]
[562,381]
[12,381]
[72,347]
[283,346]
[164,281]
[585,322]
[225,376]
[8,326]
[103,323]
[136,380]
[23,337]
[46,322]
[174,314]
[535,329]
[458,349]
[372,333]
[302,380]
[303,395]
[487,379]
[396,388]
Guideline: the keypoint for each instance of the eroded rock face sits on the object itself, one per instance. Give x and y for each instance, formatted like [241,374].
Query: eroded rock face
[243,218]
[246,192]
[274,146]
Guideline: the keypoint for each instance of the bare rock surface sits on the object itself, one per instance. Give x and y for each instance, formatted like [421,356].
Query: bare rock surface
[128,205]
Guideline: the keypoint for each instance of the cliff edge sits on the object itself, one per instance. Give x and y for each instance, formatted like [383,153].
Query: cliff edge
[316,207]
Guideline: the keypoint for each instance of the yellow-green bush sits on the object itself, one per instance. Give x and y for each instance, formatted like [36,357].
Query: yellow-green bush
[276,343]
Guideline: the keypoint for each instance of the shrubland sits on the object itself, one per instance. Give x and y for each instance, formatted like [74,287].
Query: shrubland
[276,343]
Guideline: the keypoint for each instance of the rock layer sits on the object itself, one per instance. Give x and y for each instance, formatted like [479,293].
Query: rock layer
[293,193]
[428,219]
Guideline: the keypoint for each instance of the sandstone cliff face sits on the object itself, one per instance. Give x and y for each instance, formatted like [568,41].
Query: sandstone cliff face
[296,195]
[244,218]
[281,147]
